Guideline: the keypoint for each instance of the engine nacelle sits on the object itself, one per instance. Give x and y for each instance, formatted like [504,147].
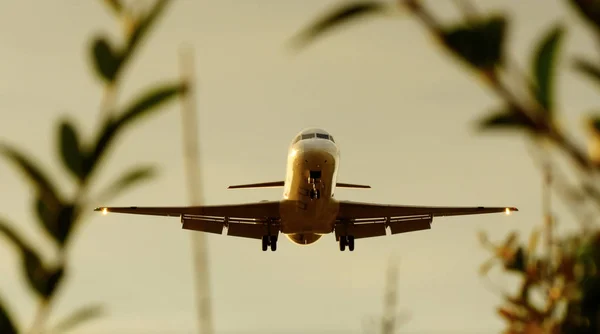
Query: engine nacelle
[303,238]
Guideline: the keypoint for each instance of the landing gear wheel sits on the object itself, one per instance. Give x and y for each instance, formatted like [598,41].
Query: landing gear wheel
[343,242]
[315,194]
[347,241]
[265,243]
[273,243]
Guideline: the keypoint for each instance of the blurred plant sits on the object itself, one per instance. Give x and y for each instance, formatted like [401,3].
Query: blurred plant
[566,278]
[391,319]
[60,215]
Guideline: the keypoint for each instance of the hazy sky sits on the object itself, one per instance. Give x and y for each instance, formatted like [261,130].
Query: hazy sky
[401,111]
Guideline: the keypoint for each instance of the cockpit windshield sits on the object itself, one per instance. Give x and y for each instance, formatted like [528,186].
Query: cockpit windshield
[313,135]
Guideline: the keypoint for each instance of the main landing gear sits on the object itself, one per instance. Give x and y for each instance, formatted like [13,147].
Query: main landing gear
[346,241]
[269,240]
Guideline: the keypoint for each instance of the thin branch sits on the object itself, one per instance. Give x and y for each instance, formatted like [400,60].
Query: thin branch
[192,163]
[573,197]
[535,113]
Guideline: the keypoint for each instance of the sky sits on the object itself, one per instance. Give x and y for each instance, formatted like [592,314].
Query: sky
[402,112]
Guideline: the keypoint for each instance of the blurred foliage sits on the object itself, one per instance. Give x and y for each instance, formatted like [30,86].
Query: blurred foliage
[58,214]
[560,288]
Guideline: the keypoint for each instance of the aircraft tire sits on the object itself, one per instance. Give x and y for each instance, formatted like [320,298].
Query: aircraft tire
[342,243]
[265,243]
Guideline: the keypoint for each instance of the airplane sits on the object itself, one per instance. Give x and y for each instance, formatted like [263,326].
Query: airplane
[308,209]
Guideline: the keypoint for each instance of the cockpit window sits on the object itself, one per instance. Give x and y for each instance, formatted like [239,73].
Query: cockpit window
[312,135]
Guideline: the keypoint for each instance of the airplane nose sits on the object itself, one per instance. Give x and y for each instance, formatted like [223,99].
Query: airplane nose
[315,159]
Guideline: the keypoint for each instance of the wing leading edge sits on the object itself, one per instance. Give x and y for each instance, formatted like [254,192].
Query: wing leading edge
[252,220]
[366,220]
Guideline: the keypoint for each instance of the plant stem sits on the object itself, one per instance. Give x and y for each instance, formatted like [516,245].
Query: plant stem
[41,315]
[192,157]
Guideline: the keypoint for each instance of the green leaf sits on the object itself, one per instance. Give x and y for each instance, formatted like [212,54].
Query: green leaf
[45,191]
[78,317]
[517,263]
[480,43]
[70,149]
[336,17]
[114,5]
[595,123]
[142,106]
[589,69]
[544,65]
[507,120]
[34,174]
[107,61]
[7,326]
[44,281]
[590,10]
[129,178]
[58,221]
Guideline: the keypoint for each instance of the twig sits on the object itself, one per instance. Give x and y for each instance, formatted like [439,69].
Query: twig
[192,157]
[568,193]
[535,114]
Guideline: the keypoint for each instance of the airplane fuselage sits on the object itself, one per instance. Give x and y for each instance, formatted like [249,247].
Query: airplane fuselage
[309,209]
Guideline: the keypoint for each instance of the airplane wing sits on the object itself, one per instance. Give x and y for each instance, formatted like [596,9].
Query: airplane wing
[251,220]
[365,220]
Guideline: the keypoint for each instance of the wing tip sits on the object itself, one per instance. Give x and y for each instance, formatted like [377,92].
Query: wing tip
[104,210]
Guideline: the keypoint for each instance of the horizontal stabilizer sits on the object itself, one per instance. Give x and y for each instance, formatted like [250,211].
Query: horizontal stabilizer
[281,184]
[350,185]
[258,185]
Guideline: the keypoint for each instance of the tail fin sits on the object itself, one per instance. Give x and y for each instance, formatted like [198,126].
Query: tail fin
[281,183]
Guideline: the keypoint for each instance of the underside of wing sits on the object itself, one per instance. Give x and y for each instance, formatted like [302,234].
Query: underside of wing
[357,210]
[365,220]
[251,220]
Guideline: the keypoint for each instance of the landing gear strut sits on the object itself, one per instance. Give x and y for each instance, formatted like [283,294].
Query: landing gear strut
[347,241]
[269,240]
[315,193]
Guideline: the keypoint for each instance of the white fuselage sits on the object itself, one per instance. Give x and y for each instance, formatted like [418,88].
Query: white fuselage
[312,164]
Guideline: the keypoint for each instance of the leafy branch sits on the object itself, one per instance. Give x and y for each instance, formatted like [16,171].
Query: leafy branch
[81,158]
[569,276]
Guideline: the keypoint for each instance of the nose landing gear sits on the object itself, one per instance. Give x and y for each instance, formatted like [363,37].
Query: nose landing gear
[314,193]
[314,179]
